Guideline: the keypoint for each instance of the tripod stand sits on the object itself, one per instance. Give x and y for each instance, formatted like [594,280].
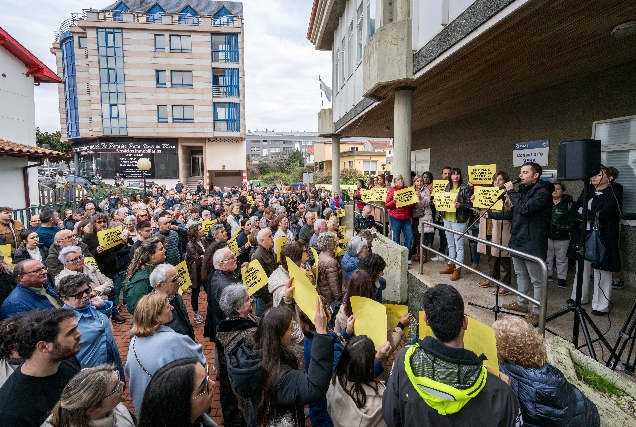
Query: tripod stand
[581,318]
[626,333]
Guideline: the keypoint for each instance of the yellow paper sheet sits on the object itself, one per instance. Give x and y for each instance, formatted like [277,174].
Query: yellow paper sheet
[110,237]
[280,244]
[250,200]
[304,292]
[478,338]
[343,230]
[340,212]
[6,251]
[481,174]
[184,276]
[366,195]
[254,277]
[315,214]
[371,319]
[439,186]
[405,197]
[342,247]
[379,194]
[231,243]
[205,225]
[485,196]
[394,313]
[445,202]
[91,261]
[315,253]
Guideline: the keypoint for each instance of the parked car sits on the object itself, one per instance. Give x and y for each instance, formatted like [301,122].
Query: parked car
[77,180]
[135,185]
[46,181]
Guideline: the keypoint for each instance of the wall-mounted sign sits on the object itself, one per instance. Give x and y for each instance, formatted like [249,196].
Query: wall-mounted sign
[531,151]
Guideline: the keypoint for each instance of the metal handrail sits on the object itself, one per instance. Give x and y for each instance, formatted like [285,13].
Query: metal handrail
[385,215]
[543,304]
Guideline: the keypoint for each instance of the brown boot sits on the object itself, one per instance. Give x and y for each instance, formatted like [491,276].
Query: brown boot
[474,267]
[456,274]
[424,257]
[450,268]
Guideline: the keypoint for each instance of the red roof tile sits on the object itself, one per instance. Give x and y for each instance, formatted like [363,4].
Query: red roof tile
[13,149]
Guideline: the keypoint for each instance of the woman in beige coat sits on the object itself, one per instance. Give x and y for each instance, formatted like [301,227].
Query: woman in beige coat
[330,273]
[497,232]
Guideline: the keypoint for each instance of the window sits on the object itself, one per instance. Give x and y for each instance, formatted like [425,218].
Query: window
[81,42]
[181,78]
[353,148]
[154,14]
[160,43]
[180,44]
[223,17]
[350,165]
[161,78]
[225,48]
[350,54]
[111,81]
[121,7]
[370,18]
[227,117]
[359,32]
[188,16]
[183,113]
[162,113]
[336,67]
[255,149]
[225,82]
[166,165]
[342,63]
[369,167]
[70,86]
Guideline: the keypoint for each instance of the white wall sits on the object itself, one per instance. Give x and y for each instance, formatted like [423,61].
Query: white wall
[11,179]
[428,17]
[17,107]
[230,154]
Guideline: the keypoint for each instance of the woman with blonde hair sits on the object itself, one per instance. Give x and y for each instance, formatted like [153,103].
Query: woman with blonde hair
[153,344]
[545,397]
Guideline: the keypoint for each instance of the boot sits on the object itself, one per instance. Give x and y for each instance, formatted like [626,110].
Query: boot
[424,257]
[450,268]
[456,274]
[415,258]
[474,267]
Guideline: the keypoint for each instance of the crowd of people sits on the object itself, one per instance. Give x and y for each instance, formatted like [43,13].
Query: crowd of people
[270,358]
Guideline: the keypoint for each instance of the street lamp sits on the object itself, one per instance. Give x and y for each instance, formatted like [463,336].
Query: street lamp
[144,165]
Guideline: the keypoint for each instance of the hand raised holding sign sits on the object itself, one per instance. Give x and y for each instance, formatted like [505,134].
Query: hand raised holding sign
[289,292]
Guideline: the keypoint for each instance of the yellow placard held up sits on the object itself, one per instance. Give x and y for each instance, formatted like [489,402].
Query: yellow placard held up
[405,197]
[315,254]
[342,229]
[91,261]
[315,214]
[304,292]
[478,338]
[280,244]
[254,277]
[184,275]
[233,245]
[6,251]
[340,212]
[342,247]
[439,186]
[371,319]
[366,195]
[481,174]
[394,313]
[206,225]
[445,202]
[110,237]
[379,194]
[250,200]
[486,196]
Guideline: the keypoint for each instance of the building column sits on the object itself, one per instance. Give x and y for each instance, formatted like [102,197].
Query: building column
[402,115]
[76,160]
[335,163]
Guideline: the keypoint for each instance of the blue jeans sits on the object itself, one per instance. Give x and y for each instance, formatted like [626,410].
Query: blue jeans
[455,243]
[259,306]
[405,227]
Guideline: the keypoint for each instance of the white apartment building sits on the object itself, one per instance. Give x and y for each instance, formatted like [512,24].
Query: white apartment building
[163,81]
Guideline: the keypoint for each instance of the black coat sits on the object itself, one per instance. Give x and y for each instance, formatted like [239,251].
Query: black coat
[180,322]
[106,260]
[216,282]
[530,214]
[546,398]
[22,254]
[606,205]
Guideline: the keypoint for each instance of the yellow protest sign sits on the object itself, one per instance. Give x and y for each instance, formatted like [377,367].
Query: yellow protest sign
[110,237]
[340,212]
[341,249]
[280,244]
[254,277]
[439,186]
[342,229]
[405,197]
[304,292]
[379,194]
[371,319]
[315,254]
[366,195]
[394,313]
[486,196]
[205,225]
[6,251]
[250,200]
[481,174]
[184,275]
[315,214]
[91,261]
[445,202]
[478,338]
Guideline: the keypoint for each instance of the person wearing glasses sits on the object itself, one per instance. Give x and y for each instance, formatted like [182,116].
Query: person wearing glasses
[154,345]
[97,343]
[164,279]
[92,398]
[63,239]
[32,292]
[72,259]
[31,248]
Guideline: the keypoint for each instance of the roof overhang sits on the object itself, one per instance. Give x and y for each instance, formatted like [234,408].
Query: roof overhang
[40,72]
[325,15]
[13,149]
[542,44]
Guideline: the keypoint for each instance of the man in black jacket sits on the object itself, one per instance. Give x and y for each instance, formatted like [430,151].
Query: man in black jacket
[530,213]
[437,382]
[164,278]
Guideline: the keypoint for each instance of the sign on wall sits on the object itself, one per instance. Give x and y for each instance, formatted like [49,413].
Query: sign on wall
[531,151]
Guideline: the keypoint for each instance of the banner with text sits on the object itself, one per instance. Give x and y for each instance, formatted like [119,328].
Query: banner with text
[254,277]
[481,174]
[439,186]
[445,202]
[405,197]
[110,237]
[486,196]
[184,275]
[205,225]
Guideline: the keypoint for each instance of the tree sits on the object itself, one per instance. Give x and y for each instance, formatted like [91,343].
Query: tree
[53,140]
[295,159]
[252,170]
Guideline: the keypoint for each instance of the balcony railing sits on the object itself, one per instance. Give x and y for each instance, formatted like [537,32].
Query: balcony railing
[226,126]
[224,91]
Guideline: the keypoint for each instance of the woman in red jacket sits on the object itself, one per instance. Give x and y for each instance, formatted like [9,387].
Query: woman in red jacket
[400,218]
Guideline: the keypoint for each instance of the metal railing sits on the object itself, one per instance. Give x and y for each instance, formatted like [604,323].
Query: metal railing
[385,216]
[543,304]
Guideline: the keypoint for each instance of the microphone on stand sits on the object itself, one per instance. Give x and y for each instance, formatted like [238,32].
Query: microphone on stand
[515,182]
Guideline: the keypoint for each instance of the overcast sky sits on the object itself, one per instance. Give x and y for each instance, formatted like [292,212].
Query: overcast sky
[281,65]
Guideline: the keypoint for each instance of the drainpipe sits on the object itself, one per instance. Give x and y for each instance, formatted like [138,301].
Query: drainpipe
[25,179]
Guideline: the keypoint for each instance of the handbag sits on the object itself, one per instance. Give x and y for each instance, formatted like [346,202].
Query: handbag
[595,252]
[417,211]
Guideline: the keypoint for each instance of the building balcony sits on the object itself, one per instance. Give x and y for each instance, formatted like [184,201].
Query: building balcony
[224,91]
[227,126]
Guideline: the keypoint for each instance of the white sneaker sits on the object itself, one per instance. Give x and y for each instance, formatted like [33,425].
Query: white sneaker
[409,262]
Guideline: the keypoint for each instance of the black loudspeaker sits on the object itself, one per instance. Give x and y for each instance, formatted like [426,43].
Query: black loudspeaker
[579,160]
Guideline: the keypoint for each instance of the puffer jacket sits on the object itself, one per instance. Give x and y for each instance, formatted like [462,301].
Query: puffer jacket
[403,213]
[349,265]
[560,223]
[546,398]
[330,277]
[463,212]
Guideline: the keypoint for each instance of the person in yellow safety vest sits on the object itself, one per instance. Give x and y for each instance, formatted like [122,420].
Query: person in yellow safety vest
[437,382]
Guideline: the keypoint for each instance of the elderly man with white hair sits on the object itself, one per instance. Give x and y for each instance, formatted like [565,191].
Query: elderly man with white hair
[320,226]
[62,239]
[164,278]
[307,230]
[72,258]
[357,249]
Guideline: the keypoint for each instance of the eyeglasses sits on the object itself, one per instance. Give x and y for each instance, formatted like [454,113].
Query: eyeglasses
[175,279]
[37,270]
[206,384]
[80,294]
[76,259]
[116,390]
[70,237]
[233,257]
[101,221]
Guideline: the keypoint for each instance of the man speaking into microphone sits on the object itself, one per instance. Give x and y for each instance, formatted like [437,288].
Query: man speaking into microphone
[530,214]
